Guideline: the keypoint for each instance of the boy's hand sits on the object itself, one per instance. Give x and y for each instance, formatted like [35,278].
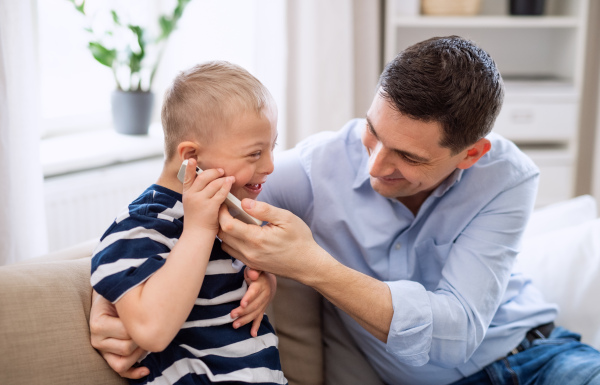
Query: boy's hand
[261,290]
[203,195]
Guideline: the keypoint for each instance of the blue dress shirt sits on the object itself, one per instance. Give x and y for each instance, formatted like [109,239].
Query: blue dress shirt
[457,306]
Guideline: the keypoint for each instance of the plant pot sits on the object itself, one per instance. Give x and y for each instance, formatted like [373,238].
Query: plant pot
[527,7]
[132,111]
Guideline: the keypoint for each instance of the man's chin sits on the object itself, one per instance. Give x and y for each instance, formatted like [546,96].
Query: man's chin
[387,192]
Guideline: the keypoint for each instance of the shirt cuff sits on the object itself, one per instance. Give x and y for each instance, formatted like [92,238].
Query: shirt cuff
[411,329]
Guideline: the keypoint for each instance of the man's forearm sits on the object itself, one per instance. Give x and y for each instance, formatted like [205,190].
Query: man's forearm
[364,298]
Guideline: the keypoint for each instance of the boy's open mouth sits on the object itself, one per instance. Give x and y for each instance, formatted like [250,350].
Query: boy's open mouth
[254,187]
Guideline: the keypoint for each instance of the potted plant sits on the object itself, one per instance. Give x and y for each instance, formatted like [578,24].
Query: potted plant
[133,53]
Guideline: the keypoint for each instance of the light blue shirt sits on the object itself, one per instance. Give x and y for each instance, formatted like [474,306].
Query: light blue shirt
[457,307]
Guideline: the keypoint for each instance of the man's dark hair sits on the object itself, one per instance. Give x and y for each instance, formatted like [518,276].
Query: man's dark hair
[449,80]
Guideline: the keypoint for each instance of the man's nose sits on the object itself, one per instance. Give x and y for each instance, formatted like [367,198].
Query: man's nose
[378,160]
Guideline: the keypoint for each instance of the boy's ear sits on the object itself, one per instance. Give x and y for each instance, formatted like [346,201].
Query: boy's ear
[474,153]
[187,149]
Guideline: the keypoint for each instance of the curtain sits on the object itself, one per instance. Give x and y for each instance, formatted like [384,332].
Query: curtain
[22,217]
[333,63]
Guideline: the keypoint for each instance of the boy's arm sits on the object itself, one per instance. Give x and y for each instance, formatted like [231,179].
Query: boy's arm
[154,311]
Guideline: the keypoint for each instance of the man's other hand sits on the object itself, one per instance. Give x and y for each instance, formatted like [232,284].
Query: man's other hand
[109,337]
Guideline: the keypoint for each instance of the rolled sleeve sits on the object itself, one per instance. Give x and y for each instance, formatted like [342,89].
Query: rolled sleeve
[411,329]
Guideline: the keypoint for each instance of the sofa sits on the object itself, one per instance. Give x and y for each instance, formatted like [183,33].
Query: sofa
[45,304]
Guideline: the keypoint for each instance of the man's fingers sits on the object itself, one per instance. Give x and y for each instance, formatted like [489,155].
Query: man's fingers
[135,373]
[264,211]
[116,346]
[105,325]
[123,364]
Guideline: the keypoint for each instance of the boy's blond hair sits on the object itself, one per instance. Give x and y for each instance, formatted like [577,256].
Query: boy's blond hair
[205,99]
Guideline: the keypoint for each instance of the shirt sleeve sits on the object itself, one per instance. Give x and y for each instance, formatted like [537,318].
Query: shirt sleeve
[289,187]
[128,254]
[445,326]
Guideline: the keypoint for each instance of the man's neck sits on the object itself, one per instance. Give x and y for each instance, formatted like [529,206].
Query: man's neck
[414,202]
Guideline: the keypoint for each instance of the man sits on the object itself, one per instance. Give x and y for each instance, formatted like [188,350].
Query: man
[417,214]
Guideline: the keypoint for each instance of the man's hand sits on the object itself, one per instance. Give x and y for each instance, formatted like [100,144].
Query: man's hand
[261,290]
[284,247]
[109,337]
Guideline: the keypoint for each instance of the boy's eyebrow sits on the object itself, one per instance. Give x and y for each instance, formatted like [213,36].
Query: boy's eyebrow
[261,143]
[407,154]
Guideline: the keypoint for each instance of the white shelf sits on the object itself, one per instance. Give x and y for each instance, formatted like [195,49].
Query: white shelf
[486,21]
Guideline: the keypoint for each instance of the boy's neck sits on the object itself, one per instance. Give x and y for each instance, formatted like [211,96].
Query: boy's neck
[168,177]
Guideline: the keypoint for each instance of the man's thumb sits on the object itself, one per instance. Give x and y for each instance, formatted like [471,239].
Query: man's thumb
[260,210]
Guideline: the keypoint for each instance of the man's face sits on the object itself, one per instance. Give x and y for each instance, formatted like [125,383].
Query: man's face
[406,161]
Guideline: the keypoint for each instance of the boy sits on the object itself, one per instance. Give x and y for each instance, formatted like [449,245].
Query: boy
[174,288]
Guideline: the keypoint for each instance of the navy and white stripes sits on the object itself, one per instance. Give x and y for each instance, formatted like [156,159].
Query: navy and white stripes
[207,349]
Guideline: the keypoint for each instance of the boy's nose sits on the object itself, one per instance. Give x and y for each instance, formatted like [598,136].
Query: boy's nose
[267,166]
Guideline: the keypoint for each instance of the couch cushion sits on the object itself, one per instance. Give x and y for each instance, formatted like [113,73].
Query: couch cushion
[565,265]
[296,312]
[44,332]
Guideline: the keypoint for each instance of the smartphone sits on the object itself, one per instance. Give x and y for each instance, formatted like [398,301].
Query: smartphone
[233,204]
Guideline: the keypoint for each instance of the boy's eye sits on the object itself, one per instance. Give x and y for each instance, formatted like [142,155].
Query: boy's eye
[255,154]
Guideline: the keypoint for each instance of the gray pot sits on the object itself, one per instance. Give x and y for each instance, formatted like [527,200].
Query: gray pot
[132,111]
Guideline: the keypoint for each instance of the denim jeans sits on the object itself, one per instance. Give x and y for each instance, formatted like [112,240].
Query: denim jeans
[558,360]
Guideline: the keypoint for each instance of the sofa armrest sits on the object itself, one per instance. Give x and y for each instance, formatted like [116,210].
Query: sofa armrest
[44,332]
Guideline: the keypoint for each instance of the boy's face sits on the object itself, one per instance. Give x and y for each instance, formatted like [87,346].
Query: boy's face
[245,151]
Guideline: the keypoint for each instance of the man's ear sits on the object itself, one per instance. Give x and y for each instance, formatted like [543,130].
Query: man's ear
[474,153]
[187,149]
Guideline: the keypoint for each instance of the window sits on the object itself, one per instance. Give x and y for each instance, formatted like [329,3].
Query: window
[75,89]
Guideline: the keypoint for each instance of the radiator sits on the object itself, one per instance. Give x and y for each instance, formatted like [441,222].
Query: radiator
[81,206]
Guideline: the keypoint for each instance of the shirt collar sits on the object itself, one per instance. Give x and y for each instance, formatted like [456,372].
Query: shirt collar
[362,176]
[450,181]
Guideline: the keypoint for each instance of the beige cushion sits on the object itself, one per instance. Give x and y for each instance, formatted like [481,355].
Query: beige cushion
[296,313]
[44,333]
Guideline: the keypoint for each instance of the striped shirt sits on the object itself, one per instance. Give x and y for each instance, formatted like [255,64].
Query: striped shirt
[207,349]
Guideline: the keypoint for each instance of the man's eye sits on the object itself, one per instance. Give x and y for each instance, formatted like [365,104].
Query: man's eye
[255,154]
[409,160]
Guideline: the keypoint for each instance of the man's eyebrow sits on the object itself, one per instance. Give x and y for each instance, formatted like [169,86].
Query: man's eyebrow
[407,154]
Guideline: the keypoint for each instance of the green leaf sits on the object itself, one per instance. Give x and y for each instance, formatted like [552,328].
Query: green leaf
[79,7]
[168,24]
[166,27]
[102,54]
[115,17]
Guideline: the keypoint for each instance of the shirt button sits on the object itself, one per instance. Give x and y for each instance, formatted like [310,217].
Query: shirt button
[397,246]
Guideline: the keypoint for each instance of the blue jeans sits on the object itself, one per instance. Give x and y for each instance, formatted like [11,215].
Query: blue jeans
[558,360]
